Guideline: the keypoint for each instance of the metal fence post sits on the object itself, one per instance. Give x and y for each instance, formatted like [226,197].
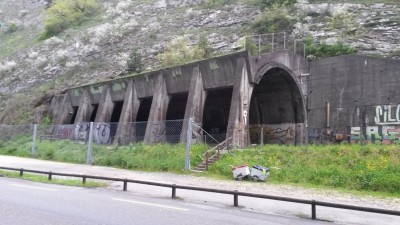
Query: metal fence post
[89,160]
[284,40]
[34,140]
[188,144]
[273,41]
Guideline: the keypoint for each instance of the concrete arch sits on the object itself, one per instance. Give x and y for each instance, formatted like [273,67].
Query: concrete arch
[277,112]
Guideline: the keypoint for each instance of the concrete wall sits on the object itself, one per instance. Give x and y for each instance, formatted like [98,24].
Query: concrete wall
[363,94]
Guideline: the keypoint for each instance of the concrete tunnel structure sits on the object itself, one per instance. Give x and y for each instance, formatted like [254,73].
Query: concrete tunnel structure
[235,95]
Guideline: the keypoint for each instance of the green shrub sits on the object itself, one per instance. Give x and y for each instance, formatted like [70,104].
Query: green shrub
[325,50]
[205,46]
[273,20]
[63,14]
[178,52]
[12,28]
[135,64]
[263,4]
[247,44]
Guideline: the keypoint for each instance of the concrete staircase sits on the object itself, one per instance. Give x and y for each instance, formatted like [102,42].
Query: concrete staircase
[212,155]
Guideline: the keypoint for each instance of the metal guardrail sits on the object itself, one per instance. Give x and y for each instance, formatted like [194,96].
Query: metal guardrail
[235,193]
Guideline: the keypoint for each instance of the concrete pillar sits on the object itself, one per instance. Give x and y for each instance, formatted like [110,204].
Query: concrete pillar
[195,104]
[155,130]
[85,108]
[129,113]
[106,106]
[240,103]
[62,110]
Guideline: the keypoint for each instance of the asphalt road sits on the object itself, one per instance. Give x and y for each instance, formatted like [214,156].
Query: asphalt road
[28,203]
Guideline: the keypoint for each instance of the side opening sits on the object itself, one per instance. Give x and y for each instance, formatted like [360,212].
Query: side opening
[142,118]
[175,116]
[115,118]
[216,114]
[94,112]
[74,113]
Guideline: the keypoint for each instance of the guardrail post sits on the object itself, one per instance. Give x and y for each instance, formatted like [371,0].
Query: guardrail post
[313,210]
[235,199]
[50,175]
[84,179]
[173,191]
[125,185]
[21,172]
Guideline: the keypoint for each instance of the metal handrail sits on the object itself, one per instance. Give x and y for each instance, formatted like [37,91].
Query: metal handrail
[235,193]
[218,146]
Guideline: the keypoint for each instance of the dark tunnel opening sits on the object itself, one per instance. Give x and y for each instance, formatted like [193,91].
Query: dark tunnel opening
[74,113]
[276,108]
[116,111]
[94,112]
[216,114]
[142,117]
[175,116]
[116,114]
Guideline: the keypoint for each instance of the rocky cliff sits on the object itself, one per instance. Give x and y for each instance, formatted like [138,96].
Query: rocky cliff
[32,71]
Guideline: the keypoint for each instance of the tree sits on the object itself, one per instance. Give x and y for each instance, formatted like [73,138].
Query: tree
[63,14]
[135,64]
[273,20]
[205,46]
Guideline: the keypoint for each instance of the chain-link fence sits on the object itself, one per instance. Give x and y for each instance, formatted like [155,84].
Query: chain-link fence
[114,133]
[14,133]
[82,141]
[266,43]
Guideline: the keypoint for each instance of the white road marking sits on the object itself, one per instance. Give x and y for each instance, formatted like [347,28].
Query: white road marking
[151,204]
[32,187]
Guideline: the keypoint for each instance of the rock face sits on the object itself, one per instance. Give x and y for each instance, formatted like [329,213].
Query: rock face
[373,29]
[99,52]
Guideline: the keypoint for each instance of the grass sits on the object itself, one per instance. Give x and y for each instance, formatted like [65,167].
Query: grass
[44,179]
[369,169]
[160,157]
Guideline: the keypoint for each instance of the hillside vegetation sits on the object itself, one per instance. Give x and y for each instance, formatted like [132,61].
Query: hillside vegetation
[46,48]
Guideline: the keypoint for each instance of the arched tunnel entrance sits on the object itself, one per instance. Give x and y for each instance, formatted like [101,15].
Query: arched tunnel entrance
[216,114]
[276,109]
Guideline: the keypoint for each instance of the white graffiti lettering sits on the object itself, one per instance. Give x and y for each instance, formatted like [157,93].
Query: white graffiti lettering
[387,115]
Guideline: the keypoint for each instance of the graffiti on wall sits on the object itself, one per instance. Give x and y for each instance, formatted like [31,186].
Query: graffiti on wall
[102,133]
[375,134]
[64,131]
[314,133]
[81,131]
[272,134]
[387,114]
